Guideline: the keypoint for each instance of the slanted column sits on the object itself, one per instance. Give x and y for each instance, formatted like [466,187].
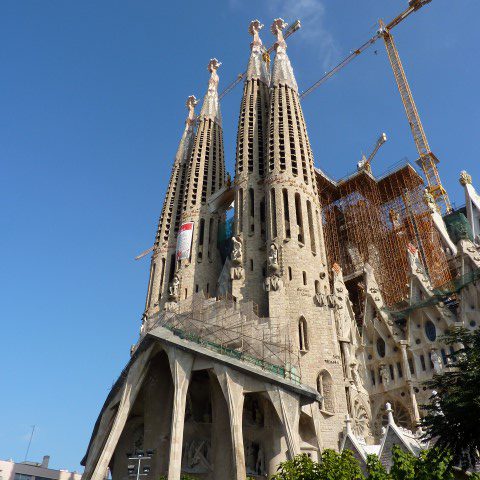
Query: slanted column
[408,376]
[131,388]
[181,365]
[233,391]
[287,406]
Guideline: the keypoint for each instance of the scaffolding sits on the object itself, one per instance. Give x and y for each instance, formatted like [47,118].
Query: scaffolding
[370,220]
[234,330]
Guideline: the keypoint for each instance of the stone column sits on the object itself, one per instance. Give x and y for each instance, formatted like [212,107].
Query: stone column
[287,407]
[408,376]
[233,391]
[132,386]
[181,365]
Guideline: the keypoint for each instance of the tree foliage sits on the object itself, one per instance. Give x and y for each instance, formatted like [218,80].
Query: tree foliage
[451,421]
[434,464]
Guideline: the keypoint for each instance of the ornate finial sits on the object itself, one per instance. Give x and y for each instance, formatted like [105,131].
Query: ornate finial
[348,424]
[190,104]
[212,67]
[465,178]
[254,29]
[388,408]
[277,28]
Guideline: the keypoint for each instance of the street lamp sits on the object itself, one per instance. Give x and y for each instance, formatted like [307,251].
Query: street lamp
[137,470]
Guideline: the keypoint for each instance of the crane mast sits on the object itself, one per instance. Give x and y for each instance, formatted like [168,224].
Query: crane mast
[427,160]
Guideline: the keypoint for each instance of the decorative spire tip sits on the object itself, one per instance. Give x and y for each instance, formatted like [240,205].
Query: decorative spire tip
[213,65]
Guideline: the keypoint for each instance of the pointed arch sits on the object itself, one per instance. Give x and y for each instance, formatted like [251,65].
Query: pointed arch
[325,389]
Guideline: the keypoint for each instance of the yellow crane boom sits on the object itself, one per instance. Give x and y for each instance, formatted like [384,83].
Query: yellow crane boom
[427,160]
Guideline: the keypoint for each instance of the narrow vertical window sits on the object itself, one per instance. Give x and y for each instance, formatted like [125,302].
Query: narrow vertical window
[150,284]
[273,205]
[251,209]
[251,264]
[240,211]
[210,237]
[310,226]
[298,213]
[304,278]
[302,334]
[286,213]
[186,292]
[201,234]
[162,275]
[290,276]
[172,268]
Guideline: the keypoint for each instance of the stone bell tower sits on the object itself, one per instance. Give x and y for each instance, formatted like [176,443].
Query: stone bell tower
[198,270]
[248,261]
[162,267]
[297,279]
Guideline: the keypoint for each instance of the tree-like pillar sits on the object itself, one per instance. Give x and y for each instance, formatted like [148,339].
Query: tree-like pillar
[181,366]
[233,391]
[133,383]
[287,406]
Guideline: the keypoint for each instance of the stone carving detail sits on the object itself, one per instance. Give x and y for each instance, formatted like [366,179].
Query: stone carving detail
[237,255]
[394,218]
[236,272]
[385,375]
[274,282]
[196,456]
[174,288]
[273,258]
[254,459]
[430,201]
[465,178]
[437,361]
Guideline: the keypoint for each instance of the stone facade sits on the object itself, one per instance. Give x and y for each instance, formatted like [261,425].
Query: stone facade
[253,350]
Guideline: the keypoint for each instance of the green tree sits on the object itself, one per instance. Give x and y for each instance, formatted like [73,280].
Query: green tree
[451,421]
[376,471]
[302,467]
[333,466]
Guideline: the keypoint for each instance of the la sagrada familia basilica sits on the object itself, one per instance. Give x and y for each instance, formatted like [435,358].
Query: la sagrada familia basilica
[286,312]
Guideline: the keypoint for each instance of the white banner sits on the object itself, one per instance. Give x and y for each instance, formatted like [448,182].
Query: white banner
[184,241]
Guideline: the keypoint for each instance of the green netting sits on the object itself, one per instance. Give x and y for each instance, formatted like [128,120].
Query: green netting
[224,236]
[230,352]
[441,294]
[458,227]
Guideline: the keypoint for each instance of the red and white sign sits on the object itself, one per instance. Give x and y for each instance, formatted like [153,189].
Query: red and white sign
[184,241]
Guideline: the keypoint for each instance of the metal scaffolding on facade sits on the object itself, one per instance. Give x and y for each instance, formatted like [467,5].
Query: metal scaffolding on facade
[369,220]
[233,329]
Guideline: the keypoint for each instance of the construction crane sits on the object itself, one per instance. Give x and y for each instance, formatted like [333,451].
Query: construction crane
[427,160]
[365,163]
[290,31]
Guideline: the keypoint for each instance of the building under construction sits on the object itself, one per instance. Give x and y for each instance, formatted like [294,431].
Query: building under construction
[306,316]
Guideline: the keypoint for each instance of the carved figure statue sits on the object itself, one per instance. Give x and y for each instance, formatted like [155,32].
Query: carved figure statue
[260,463]
[273,256]
[355,374]
[394,218]
[250,458]
[429,200]
[384,374]
[437,361]
[174,286]
[237,249]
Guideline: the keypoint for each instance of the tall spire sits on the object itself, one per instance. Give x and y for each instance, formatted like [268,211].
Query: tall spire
[186,141]
[282,69]
[258,65]
[169,222]
[211,105]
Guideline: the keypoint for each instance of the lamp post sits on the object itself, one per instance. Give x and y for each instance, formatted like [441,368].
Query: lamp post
[137,470]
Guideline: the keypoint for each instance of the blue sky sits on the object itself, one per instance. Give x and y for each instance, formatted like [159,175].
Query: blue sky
[92,107]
